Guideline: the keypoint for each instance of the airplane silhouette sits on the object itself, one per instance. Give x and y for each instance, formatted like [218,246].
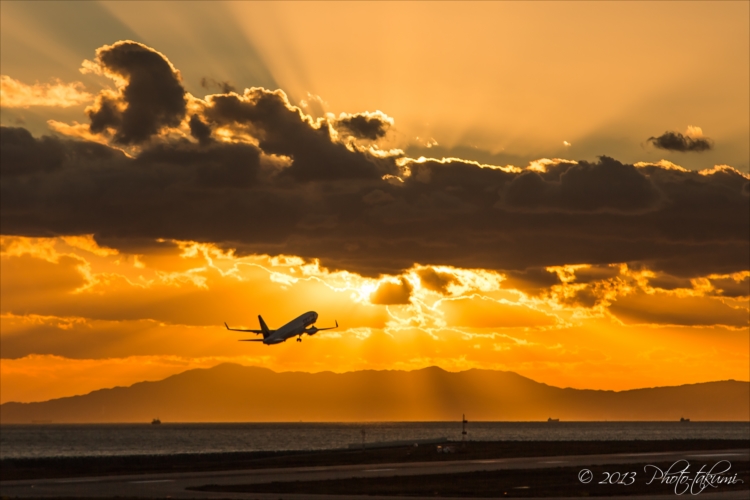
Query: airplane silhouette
[297,327]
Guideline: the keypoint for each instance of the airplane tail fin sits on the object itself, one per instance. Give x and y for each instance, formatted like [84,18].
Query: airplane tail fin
[264,327]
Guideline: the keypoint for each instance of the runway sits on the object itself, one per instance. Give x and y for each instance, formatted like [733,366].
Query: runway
[174,485]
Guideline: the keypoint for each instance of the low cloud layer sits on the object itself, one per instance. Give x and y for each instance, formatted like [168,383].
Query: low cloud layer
[331,203]
[605,186]
[251,171]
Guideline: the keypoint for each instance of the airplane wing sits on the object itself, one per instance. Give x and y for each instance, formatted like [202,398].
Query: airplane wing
[329,328]
[251,340]
[238,330]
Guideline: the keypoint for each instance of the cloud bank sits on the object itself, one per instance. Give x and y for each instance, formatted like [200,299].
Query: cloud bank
[253,172]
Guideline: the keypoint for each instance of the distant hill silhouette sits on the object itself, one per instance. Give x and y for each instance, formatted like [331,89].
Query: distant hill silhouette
[234,393]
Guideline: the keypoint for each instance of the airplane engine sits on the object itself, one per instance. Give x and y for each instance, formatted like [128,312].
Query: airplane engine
[312,330]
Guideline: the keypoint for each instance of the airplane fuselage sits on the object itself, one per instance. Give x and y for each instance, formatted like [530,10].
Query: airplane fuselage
[294,328]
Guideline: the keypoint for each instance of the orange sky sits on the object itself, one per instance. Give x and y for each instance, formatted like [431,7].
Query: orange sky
[498,82]
[120,264]
[77,317]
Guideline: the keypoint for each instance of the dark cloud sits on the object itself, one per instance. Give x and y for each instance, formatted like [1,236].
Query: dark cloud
[729,287]
[605,186]
[675,141]
[331,203]
[286,185]
[533,281]
[377,196]
[200,130]
[586,297]
[152,99]
[668,282]
[389,293]
[370,126]
[435,280]
[224,87]
[282,129]
[194,169]
[100,187]
[21,154]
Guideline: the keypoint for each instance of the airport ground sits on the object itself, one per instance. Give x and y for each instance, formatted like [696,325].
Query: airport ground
[69,467]
[481,470]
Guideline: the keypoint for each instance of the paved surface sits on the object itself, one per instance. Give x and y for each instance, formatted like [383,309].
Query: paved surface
[174,485]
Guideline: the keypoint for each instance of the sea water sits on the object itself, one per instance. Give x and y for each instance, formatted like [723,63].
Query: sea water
[59,440]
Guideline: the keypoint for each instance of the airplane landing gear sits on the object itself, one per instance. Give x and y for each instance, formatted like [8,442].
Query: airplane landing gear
[299,339]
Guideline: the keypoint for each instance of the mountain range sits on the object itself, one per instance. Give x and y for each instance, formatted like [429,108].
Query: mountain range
[234,393]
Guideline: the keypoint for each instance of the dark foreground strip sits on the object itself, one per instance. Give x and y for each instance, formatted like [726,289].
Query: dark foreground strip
[552,482]
[47,468]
